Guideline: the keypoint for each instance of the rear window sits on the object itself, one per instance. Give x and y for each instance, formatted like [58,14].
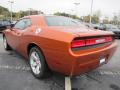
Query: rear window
[61,21]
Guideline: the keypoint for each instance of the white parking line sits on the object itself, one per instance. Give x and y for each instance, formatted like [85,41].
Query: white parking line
[109,72]
[24,68]
[67,83]
[106,72]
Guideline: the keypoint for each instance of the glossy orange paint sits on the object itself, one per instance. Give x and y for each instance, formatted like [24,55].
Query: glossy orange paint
[55,43]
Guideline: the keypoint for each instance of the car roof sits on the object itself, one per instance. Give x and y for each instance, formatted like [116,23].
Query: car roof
[41,16]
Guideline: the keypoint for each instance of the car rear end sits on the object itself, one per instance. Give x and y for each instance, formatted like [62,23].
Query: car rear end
[88,53]
[79,49]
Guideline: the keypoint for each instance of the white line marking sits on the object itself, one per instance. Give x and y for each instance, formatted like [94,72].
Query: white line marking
[67,83]
[24,68]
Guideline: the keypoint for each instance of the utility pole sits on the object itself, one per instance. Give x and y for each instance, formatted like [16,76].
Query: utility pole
[91,9]
[30,10]
[11,3]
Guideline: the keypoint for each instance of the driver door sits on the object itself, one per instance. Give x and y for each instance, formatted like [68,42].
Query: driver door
[18,31]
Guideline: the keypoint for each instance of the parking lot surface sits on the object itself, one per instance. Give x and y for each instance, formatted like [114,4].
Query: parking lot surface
[15,75]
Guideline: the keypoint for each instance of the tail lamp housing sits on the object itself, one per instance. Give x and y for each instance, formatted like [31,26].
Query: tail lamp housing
[91,41]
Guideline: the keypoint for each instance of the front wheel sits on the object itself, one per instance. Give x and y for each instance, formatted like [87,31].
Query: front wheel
[37,63]
[6,46]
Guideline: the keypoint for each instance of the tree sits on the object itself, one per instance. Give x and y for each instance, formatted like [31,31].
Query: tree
[4,12]
[86,18]
[96,16]
[66,15]
[116,19]
[97,13]
[106,20]
[95,19]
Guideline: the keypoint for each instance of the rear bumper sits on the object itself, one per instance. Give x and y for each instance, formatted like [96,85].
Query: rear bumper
[91,60]
[79,63]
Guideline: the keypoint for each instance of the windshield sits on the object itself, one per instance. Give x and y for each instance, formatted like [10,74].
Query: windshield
[62,21]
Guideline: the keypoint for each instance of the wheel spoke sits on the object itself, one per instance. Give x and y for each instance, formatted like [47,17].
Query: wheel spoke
[33,68]
[38,69]
[34,56]
[35,62]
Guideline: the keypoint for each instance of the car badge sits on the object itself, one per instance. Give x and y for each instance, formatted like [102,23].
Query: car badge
[38,30]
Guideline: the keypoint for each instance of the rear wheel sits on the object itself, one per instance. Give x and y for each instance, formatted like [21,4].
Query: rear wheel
[6,46]
[37,63]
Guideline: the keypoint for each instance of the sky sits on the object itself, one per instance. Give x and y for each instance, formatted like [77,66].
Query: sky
[107,7]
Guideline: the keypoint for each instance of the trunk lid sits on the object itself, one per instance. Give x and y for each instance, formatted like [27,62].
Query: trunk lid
[81,31]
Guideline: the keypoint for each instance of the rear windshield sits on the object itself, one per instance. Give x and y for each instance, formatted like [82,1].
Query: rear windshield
[61,21]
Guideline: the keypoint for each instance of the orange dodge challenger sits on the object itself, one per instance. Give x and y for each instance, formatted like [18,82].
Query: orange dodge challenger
[60,44]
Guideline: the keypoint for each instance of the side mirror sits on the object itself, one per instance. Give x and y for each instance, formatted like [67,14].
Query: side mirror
[12,25]
[9,27]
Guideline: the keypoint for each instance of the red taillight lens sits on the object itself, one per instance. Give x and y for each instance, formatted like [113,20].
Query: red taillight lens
[92,41]
[78,43]
[109,39]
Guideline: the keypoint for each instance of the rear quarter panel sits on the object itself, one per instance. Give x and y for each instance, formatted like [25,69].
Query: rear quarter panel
[54,44]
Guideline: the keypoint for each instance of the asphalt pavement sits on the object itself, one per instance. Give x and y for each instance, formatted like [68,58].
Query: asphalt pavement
[15,75]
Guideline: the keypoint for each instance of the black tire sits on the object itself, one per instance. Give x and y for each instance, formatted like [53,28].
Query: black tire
[44,68]
[6,46]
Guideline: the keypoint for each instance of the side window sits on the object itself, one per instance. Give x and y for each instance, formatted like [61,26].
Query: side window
[27,22]
[22,24]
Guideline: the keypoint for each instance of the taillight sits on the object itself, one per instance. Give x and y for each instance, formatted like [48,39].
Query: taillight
[108,39]
[78,43]
[92,41]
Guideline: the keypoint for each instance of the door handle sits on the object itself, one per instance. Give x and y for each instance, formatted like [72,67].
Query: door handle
[19,34]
